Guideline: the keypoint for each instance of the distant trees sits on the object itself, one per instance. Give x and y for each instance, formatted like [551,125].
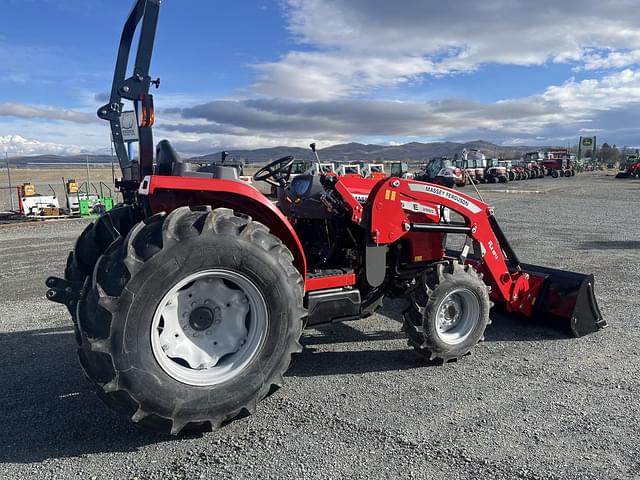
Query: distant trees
[609,154]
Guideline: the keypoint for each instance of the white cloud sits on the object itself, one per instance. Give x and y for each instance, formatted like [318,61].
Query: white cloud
[565,108]
[321,76]
[21,110]
[609,60]
[360,45]
[608,106]
[579,99]
[18,145]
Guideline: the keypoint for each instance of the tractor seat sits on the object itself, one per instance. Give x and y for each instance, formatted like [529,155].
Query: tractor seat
[169,163]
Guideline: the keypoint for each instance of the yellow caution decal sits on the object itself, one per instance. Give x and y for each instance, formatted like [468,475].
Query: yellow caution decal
[390,195]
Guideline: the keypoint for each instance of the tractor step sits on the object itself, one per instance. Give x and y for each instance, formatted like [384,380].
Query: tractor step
[329,278]
[333,305]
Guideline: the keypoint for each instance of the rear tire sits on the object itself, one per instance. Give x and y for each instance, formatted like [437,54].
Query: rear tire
[140,291]
[91,244]
[448,312]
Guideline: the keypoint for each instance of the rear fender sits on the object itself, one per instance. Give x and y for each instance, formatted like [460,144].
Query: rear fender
[167,193]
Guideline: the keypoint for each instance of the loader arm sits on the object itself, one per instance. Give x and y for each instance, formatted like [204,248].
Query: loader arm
[392,200]
[555,296]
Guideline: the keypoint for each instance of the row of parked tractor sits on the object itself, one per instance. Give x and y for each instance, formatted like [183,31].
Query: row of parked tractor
[347,169]
[473,167]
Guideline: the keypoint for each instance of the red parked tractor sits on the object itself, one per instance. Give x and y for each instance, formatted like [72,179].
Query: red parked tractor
[559,163]
[631,169]
[189,298]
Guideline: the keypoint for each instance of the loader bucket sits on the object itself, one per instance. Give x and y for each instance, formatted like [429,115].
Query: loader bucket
[566,301]
[624,175]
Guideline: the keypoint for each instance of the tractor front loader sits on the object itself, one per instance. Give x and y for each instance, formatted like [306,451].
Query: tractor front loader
[189,298]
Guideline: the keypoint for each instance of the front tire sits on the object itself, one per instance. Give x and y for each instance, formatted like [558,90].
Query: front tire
[192,320]
[448,312]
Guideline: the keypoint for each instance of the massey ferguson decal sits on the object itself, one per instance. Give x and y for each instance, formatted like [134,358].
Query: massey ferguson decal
[441,192]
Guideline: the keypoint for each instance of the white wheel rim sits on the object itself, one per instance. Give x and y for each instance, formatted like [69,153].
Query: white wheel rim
[457,316]
[209,327]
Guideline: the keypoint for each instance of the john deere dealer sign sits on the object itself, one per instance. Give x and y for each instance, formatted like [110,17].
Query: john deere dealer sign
[587,148]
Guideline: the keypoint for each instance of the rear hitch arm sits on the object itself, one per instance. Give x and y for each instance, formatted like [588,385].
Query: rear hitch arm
[63,291]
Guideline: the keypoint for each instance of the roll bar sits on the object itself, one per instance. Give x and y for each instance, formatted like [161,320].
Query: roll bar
[134,88]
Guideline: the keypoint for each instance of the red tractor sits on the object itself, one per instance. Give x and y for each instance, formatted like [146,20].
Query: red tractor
[632,169]
[559,163]
[190,298]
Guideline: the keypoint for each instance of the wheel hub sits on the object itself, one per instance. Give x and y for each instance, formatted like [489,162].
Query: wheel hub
[208,327]
[201,318]
[457,316]
[451,310]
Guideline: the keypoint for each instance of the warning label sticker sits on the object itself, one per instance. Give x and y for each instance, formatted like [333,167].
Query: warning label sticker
[418,207]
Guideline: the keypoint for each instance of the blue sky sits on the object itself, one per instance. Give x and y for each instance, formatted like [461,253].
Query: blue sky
[264,73]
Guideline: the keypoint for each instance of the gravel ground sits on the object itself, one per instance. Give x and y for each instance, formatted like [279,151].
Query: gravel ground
[529,403]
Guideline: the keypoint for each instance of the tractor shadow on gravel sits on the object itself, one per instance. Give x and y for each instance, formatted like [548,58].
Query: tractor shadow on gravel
[394,353]
[48,409]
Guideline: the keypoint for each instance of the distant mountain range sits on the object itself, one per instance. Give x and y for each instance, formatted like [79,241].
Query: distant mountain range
[412,152]
[59,160]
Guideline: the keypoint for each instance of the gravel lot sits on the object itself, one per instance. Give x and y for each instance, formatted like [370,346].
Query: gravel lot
[529,403]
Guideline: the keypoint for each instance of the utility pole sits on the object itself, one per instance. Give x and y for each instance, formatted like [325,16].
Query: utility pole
[88,176]
[6,157]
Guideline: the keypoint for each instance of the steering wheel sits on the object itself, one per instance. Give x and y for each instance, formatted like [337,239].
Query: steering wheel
[277,173]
